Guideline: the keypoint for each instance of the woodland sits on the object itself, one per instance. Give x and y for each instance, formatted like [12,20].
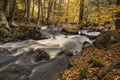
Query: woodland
[59,39]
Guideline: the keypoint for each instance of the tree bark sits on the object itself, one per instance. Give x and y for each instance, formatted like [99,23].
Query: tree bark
[54,9]
[99,13]
[6,7]
[39,2]
[81,12]
[28,10]
[117,22]
[49,10]
[13,10]
[41,10]
[33,8]
[67,13]
[25,8]
[44,11]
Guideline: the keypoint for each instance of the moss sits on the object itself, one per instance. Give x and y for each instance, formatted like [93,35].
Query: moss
[96,62]
[83,72]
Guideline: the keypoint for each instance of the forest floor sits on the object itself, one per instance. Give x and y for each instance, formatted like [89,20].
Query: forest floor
[95,63]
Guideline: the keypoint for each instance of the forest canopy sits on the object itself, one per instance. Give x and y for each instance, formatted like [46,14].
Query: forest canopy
[85,12]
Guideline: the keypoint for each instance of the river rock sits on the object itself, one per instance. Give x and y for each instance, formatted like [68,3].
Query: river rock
[15,72]
[51,70]
[66,52]
[87,45]
[41,55]
[4,52]
[9,76]
[89,36]
[20,33]
[70,29]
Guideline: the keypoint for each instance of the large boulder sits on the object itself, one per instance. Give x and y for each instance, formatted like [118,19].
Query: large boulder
[70,29]
[105,39]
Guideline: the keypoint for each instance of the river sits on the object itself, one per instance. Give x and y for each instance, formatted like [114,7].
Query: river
[18,59]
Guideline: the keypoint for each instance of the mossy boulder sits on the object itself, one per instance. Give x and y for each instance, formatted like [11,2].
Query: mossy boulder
[105,39]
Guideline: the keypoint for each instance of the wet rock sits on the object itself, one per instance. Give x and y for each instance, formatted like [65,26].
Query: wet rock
[4,51]
[70,29]
[105,39]
[66,52]
[69,32]
[87,45]
[50,71]
[89,36]
[15,72]
[9,76]
[30,33]
[20,33]
[41,55]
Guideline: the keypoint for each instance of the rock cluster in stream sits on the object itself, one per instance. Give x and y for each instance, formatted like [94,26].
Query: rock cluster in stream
[20,33]
[29,60]
[32,65]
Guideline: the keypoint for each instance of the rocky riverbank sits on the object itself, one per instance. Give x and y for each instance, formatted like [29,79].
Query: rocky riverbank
[99,62]
[20,33]
[31,59]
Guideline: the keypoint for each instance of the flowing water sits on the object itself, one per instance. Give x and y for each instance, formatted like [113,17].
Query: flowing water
[17,60]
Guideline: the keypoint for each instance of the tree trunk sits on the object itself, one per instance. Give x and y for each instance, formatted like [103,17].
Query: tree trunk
[25,8]
[33,8]
[39,2]
[117,22]
[81,12]
[41,10]
[49,10]
[6,7]
[99,13]
[28,10]
[44,10]
[67,13]
[13,10]
[54,9]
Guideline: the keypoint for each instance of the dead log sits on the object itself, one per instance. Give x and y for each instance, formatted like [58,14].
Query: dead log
[103,72]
